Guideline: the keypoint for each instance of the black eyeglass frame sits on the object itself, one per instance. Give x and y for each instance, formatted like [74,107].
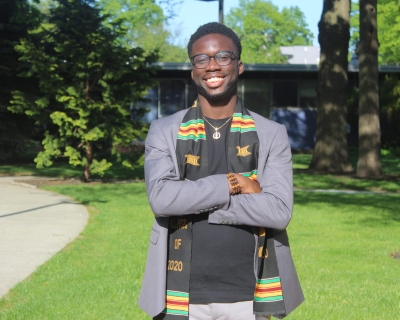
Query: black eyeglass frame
[232,56]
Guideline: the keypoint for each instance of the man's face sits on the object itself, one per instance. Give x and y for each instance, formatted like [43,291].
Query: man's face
[216,82]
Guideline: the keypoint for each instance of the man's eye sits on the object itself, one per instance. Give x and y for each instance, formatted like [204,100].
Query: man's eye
[201,60]
[223,58]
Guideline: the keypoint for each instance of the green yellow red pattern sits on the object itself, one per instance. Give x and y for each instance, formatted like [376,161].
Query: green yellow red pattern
[268,290]
[242,123]
[251,175]
[192,130]
[177,303]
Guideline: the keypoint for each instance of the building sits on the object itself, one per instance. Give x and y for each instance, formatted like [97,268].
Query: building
[283,93]
[301,54]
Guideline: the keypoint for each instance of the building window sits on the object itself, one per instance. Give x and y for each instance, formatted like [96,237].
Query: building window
[162,100]
[172,97]
[255,95]
[192,93]
[308,94]
[284,94]
[150,104]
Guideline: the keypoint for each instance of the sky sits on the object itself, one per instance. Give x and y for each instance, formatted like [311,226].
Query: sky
[191,14]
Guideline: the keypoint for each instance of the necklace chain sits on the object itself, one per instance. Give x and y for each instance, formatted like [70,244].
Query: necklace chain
[216,134]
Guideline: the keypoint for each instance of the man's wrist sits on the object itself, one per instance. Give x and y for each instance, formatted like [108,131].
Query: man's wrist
[234,184]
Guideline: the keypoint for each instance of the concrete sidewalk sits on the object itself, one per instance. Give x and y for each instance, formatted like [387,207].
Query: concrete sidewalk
[34,225]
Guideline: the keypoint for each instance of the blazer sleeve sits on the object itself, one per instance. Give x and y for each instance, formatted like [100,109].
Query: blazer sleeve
[272,208]
[168,196]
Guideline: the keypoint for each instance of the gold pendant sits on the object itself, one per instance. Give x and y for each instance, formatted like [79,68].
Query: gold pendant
[216,135]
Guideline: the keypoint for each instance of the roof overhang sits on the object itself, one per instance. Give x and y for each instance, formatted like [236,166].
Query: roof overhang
[187,66]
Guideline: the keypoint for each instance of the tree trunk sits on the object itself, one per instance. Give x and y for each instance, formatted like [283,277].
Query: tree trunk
[89,159]
[369,135]
[331,150]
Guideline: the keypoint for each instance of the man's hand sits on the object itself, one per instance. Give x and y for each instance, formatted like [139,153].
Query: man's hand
[246,185]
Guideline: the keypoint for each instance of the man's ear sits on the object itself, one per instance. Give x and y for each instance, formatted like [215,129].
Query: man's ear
[191,73]
[241,66]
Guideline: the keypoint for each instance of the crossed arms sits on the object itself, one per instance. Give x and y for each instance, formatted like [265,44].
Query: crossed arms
[267,203]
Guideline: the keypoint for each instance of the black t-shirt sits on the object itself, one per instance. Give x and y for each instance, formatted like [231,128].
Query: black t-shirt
[222,266]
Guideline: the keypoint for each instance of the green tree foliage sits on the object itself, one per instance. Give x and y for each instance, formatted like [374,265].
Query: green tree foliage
[263,28]
[143,20]
[17,17]
[145,23]
[354,26]
[389,98]
[87,80]
[388,30]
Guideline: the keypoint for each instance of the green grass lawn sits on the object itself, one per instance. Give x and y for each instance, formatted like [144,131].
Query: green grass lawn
[98,276]
[389,183]
[302,178]
[341,245]
[62,169]
[390,160]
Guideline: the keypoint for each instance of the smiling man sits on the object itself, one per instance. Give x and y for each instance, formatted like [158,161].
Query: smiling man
[219,182]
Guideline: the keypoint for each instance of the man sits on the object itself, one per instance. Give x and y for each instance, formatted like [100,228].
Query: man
[219,182]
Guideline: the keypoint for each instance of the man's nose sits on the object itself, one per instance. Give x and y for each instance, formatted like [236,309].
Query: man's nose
[213,65]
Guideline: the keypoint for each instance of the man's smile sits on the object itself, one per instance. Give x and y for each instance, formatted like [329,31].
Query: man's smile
[214,79]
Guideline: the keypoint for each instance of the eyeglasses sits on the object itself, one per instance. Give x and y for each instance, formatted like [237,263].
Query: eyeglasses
[222,58]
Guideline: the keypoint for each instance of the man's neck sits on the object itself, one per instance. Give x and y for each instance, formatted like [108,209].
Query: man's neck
[218,109]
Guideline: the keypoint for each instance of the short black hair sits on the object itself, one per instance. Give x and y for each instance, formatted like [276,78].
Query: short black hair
[214,28]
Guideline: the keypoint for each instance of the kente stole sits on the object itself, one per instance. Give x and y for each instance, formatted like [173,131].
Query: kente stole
[242,157]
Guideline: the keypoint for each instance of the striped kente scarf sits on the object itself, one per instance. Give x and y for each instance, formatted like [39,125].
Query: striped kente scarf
[242,157]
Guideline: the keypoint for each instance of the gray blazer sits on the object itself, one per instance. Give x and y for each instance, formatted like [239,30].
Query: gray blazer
[272,208]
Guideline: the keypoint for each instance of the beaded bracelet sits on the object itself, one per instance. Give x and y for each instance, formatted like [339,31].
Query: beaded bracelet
[234,182]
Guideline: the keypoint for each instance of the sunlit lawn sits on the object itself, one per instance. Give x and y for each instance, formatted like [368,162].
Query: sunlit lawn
[302,178]
[341,244]
[390,161]
[98,275]
[307,180]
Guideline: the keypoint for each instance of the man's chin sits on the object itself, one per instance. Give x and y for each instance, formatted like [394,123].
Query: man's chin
[216,96]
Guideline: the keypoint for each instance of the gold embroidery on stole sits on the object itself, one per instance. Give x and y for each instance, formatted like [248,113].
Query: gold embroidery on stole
[243,152]
[193,160]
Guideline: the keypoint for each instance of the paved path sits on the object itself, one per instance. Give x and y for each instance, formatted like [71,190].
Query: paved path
[34,225]
[344,191]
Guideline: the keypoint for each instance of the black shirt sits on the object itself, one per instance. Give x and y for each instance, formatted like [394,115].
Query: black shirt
[222,266]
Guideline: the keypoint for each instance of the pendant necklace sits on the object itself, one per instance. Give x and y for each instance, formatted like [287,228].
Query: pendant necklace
[217,134]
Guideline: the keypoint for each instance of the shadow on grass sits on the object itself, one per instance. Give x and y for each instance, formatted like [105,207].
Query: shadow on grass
[390,160]
[92,193]
[391,165]
[61,169]
[301,160]
[375,209]
[306,179]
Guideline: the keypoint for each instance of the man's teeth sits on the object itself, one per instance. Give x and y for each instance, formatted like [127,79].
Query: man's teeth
[215,79]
